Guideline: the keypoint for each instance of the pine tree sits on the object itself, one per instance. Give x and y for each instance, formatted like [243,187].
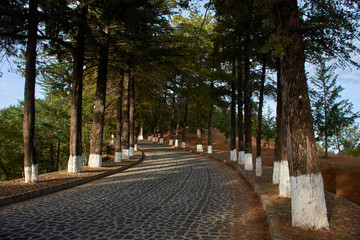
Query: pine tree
[308,205]
[75,158]
[30,161]
[329,112]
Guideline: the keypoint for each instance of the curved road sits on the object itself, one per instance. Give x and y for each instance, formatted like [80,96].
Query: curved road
[171,195]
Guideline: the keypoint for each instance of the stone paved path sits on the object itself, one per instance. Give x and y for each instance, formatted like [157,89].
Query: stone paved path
[171,195]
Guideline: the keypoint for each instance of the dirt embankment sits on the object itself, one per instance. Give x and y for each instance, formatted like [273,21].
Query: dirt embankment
[341,174]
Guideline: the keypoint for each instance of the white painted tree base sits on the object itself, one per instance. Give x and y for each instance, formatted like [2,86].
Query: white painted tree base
[233,155]
[199,148]
[183,145]
[135,147]
[248,163]
[34,173]
[95,160]
[308,205]
[276,173]
[156,139]
[209,149]
[241,157]
[31,174]
[131,152]
[284,179]
[27,174]
[117,157]
[258,167]
[149,138]
[176,143]
[125,154]
[75,164]
[141,134]
[161,140]
[171,142]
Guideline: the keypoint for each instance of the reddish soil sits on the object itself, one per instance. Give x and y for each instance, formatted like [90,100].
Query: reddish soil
[341,174]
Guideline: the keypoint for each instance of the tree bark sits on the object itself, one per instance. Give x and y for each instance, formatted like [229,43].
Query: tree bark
[30,161]
[183,137]
[125,116]
[248,162]
[247,105]
[176,143]
[261,103]
[119,119]
[75,158]
[240,101]
[233,116]
[279,142]
[259,125]
[162,127]
[326,107]
[199,147]
[172,116]
[97,129]
[307,191]
[210,118]
[57,156]
[132,115]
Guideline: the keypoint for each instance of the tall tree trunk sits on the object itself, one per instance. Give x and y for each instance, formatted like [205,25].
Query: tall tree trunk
[326,144]
[283,164]
[97,129]
[153,125]
[75,158]
[157,132]
[248,162]
[338,142]
[307,189]
[136,133]
[132,115]
[30,162]
[259,125]
[52,151]
[141,133]
[279,149]
[240,100]
[57,156]
[284,175]
[326,107]
[171,140]
[199,146]
[183,137]
[233,116]
[119,119]
[162,127]
[177,129]
[209,150]
[125,116]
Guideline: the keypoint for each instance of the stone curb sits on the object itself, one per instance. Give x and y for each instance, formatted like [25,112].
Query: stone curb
[44,191]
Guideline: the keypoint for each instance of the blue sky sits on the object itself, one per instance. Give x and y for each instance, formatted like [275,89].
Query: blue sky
[12,86]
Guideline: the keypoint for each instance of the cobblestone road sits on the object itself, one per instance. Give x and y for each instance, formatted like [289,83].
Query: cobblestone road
[171,195]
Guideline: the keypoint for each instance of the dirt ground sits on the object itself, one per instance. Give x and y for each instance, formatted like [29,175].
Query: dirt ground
[341,174]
